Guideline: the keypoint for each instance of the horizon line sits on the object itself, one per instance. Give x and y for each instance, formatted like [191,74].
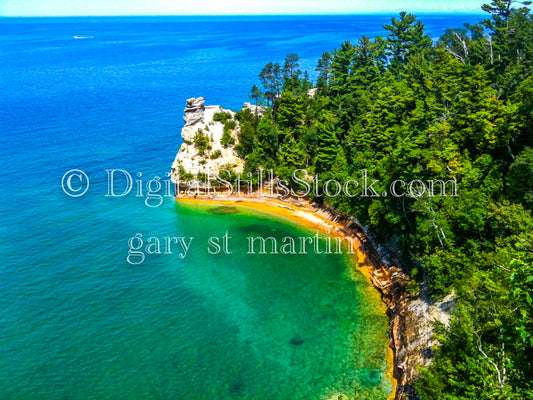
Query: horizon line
[385,13]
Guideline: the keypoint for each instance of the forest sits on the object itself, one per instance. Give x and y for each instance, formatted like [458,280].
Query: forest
[403,106]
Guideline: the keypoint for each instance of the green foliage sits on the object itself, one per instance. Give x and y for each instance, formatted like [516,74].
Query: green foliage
[522,283]
[460,111]
[519,178]
[271,79]
[266,146]
[184,175]
[324,69]
[328,144]
[289,111]
[222,117]
[216,154]
[523,97]
[246,140]
[405,38]
[202,142]
[228,174]
[291,72]
[227,138]
[256,95]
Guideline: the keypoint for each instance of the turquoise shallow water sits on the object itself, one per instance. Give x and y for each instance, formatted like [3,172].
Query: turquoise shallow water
[76,320]
[225,326]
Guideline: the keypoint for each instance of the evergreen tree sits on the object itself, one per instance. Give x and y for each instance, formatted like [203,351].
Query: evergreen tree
[256,95]
[289,111]
[405,38]
[324,69]
[341,67]
[291,73]
[328,144]
[519,182]
[246,139]
[271,79]
[266,145]
[461,112]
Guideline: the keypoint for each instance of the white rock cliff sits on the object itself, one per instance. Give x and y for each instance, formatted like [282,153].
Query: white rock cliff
[192,160]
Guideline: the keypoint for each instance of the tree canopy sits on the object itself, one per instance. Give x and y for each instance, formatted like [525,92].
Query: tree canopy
[404,108]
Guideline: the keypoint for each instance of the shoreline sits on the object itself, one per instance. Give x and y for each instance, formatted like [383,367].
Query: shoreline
[313,216]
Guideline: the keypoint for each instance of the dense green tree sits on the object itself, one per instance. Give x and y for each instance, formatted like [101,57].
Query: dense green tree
[468,45]
[327,144]
[256,95]
[339,176]
[482,122]
[266,145]
[246,139]
[289,111]
[324,69]
[290,157]
[523,97]
[291,72]
[271,78]
[404,39]
[499,25]
[519,178]
[341,67]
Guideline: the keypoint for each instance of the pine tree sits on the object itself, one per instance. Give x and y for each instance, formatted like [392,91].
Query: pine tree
[289,111]
[324,69]
[405,38]
[328,144]
[271,79]
[506,44]
[291,73]
[246,139]
[341,67]
[256,96]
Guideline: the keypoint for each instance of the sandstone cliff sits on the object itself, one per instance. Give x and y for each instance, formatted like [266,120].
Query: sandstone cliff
[411,315]
[203,150]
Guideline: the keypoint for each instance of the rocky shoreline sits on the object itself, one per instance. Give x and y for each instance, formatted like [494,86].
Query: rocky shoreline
[411,316]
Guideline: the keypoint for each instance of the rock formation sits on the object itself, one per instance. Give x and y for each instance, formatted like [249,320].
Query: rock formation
[202,150]
[258,110]
[194,111]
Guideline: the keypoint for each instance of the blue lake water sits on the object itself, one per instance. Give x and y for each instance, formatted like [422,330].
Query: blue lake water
[76,320]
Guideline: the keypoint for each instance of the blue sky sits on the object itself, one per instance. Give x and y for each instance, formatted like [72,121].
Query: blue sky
[221,7]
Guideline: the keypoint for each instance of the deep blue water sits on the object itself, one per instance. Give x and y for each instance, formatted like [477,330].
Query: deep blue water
[76,320]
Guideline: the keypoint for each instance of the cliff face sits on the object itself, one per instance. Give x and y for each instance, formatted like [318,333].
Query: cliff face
[412,317]
[202,150]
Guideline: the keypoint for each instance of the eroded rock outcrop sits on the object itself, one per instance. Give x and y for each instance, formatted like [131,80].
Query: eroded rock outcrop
[194,111]
[255,109]
[203,150]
